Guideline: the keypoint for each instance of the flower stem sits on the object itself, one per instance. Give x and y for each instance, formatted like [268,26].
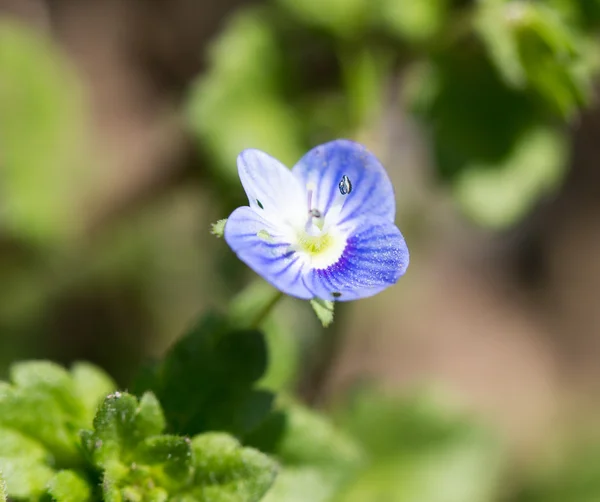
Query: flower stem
[252,305]
[261,315]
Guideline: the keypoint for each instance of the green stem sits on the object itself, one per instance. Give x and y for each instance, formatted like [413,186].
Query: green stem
[252,305]
[266,310]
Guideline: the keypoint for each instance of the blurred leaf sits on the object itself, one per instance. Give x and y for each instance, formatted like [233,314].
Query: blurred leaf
[41,126]
[531,45]
[91,385]
[68,486]
[41,414]
[413,21]
[207,380]
[324,310]
[236,104]
[387,425]
[43,404]
[364,74]
[463,473]
[499,195]
[227,472]
[421,450]
[346,18]
[574,476]
[228,124]
[317,459]
[24,465]
[471,114]
[2,488]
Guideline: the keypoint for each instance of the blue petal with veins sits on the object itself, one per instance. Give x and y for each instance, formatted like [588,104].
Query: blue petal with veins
[324,229]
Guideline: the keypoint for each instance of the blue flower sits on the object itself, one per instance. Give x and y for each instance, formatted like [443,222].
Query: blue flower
[325,229]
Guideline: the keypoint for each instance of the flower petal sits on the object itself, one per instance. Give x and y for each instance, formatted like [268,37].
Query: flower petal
[324,167]
[375,257]
[271,187]
[264,247]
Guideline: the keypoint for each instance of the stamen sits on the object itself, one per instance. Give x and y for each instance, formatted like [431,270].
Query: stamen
[313,213]
[310,188]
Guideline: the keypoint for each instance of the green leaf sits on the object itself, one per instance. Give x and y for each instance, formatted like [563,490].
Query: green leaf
[24,465]
[91,385]
[43,405]
[318,460]
[41,135]
[120,425]
[499,195]
[69,486]
[225,471]
[207,380]
[324,310]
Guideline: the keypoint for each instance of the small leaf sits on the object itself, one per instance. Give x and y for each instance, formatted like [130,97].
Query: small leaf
[324,310]
[120,425]
[227,471]
[69,486]
[218,228]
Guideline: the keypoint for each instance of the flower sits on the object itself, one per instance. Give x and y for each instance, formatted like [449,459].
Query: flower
[324,229]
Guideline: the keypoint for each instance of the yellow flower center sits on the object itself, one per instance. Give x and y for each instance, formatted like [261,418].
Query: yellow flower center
[315,244]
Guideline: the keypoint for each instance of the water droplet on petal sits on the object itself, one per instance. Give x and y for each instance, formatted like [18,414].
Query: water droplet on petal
[345,185]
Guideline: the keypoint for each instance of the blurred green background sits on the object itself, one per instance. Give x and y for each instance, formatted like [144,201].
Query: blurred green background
[120,123]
